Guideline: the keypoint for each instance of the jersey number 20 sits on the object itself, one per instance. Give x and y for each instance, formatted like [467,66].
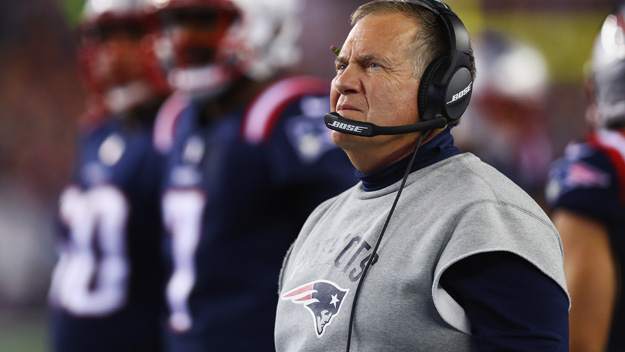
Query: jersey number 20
[91,276]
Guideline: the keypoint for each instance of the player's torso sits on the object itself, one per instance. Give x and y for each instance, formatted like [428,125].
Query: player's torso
[237,200]
[107,285]
[111,219]
[590,179]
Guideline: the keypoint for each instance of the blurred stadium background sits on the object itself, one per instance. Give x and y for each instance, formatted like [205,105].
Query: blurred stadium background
[41,99]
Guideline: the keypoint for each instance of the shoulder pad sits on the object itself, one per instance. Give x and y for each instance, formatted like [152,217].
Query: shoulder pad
[93,118]
[612,143]
[165,124]
[264,110]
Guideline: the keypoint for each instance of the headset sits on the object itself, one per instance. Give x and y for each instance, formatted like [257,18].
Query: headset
[445,87]
[444,94]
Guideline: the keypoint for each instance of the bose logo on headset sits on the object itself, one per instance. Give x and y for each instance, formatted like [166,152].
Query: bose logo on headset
[347,127]
[461,93]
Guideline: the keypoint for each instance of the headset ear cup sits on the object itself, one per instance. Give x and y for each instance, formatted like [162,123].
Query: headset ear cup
[424,87]
[457,94]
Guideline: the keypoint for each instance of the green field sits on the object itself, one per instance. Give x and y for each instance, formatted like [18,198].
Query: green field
[23,332]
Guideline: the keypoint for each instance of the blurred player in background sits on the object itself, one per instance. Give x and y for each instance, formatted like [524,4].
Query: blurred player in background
[586,193]
[249,158]
[505,124]
[107,285]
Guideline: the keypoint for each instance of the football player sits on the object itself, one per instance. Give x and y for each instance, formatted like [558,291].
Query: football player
[107,285]
[586,193]
[249,158]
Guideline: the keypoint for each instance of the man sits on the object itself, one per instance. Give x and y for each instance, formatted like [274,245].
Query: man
[107,286]
[468,260]
[586,197]
[249,159]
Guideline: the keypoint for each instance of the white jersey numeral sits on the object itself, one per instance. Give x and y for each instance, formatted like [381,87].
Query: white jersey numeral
[86,282]
[182,211]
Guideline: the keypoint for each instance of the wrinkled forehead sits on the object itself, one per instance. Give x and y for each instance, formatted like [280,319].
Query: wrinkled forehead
[381,34]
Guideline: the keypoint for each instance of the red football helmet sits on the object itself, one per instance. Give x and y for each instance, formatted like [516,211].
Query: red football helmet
[119,67]
[207,44]
[194,42]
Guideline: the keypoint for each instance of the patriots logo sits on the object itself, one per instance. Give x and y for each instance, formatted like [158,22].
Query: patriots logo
[322,298]
[567,176]
[583,175]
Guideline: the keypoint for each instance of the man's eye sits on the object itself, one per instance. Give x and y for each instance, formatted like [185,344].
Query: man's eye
[341,67]
[373,65]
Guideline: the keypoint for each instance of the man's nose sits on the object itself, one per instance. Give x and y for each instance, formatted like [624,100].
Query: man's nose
[348,81]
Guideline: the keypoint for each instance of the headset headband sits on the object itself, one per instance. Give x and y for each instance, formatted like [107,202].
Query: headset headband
[456,31]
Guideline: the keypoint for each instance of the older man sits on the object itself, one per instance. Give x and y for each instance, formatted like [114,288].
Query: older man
[464,260]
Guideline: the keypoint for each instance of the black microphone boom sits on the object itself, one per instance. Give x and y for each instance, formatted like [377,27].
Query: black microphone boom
[336,122]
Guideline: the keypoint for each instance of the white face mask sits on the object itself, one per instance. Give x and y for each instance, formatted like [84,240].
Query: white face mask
[123,98]
[202,81]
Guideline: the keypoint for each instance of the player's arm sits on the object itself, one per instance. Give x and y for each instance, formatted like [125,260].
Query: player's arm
[591,279]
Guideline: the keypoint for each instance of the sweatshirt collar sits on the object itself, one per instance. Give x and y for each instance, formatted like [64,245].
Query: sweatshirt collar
[439,148]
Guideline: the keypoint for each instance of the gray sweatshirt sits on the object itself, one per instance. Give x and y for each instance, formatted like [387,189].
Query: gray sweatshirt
[448,211]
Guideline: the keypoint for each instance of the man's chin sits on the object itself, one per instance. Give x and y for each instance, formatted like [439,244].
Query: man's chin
[346,140]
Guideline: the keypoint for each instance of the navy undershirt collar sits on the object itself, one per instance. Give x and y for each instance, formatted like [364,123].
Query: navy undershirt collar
[439,148]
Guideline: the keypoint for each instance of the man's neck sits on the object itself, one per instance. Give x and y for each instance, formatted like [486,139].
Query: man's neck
[374,157]
[440,147]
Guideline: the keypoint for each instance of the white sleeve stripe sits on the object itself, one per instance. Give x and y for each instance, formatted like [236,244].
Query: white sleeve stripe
[163,134]
[612,139]
[263,111]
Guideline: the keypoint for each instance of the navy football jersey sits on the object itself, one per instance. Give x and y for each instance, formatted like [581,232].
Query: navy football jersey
[107,286]
[590,180]
[237,191]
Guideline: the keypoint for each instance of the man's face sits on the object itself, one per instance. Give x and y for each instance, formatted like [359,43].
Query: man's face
[323,319]
[195,34]
[375,83]
[118,56]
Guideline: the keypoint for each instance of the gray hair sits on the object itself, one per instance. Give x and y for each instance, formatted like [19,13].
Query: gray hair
[431,41]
